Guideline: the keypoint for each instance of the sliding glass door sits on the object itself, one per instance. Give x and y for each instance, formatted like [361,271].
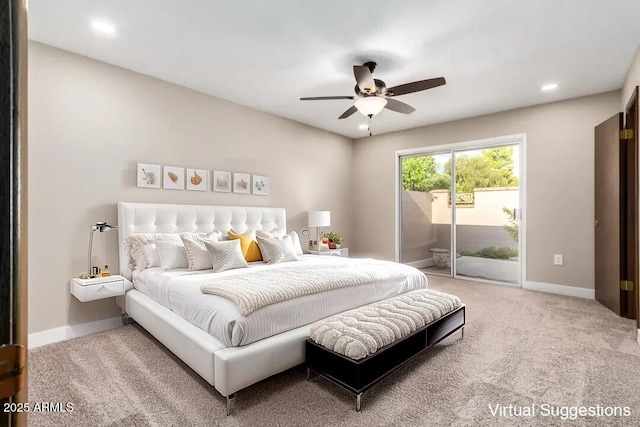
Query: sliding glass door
[486,213]
[426,221]
[459,211]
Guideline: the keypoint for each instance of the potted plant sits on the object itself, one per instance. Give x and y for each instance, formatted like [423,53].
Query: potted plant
[334,240]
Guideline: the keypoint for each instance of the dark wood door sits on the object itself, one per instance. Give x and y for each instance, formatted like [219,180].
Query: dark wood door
[608,213]
[630,267]
[13,209]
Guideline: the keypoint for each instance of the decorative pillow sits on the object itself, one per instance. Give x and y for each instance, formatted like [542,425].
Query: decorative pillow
[277,250]
[295,239]
[135,243]
[197,254]
[152,255]
[225,255]
[172,254]
[250,248]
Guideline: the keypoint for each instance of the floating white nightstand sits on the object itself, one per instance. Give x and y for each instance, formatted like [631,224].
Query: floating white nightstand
[344,252]
[100,287]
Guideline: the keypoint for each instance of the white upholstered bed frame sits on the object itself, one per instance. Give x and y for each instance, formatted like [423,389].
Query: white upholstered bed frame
[228,369]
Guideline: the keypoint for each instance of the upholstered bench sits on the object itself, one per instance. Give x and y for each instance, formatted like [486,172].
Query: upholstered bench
[360,347]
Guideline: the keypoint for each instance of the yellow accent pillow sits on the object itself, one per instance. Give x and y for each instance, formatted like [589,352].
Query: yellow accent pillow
[249,247]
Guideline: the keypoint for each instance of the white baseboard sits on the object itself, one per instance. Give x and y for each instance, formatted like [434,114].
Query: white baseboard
[63,333]
[552,288]
[423,263]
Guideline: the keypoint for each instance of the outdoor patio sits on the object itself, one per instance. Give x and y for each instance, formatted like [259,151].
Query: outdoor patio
[482,268]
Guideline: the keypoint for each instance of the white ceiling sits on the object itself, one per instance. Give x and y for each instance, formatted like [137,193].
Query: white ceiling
[495,54]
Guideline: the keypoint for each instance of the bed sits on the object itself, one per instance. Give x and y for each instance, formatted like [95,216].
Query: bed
[231,349]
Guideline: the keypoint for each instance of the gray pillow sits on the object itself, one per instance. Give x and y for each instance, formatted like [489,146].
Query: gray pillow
[225,255]
[277,250]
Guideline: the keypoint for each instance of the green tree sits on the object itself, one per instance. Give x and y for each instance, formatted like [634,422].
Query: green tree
[492,168]
[512,227]
[421,174]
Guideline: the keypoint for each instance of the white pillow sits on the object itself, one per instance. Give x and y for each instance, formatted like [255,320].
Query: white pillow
[172,255]
[277,250]
[152,255]
[295,241]
[225,255]
[276,232]
[197,255]
[135,243]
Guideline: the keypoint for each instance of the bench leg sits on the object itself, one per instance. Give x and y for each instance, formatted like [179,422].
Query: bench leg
[230,406]
[462,333]
[358,402]
[309,377]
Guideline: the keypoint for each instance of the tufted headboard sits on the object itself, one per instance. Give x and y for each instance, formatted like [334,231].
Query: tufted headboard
[167,218]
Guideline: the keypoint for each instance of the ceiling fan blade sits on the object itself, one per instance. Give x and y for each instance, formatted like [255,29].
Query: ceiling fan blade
[349,112]
[416,86]
[400,107]
[322,98]
[364,78]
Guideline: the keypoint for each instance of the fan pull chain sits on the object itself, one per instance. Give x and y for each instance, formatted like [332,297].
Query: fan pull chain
[370,126]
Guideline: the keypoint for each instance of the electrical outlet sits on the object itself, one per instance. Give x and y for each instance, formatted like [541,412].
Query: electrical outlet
[558,260]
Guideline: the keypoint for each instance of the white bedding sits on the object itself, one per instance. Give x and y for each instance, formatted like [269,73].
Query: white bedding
[179,290]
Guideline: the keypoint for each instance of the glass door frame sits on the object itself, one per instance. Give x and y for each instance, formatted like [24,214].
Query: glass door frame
[451,148]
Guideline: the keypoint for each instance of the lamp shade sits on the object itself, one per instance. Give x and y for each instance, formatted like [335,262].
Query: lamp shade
[319,219]
[370,105]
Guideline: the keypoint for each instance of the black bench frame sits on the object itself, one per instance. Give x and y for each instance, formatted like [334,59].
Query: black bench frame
[357,376]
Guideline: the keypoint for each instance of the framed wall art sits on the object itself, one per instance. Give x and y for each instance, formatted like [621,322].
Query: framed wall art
[241,183]
[260,185]
[197,179]
[221,181]
[148,175]
[173,178]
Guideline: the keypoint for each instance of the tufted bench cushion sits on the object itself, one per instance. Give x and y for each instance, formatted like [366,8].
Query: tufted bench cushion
[360,332]
[360,347]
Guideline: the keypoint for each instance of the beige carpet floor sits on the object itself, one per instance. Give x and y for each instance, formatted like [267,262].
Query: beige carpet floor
[520,348]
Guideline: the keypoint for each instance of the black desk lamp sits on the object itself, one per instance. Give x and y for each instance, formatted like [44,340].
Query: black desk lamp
[101,227]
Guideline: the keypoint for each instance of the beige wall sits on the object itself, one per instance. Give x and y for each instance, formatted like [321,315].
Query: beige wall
[559,181]
[632,80]
[90,123]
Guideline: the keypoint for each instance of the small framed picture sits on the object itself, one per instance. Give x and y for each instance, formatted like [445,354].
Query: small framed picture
[173,178]
[260,185]
[221,181]
[148,175]
[241,183]
[197,179]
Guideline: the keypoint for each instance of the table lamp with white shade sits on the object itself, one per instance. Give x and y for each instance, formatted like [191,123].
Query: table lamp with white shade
[319,219]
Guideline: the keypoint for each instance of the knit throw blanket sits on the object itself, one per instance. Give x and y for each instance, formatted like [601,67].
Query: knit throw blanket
[362,331]
[253,290]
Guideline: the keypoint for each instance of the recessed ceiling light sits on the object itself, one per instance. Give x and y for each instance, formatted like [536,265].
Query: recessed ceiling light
[363,126]
[549,87]
[103,27]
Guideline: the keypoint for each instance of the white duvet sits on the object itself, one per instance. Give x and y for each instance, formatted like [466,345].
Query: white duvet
[179,290]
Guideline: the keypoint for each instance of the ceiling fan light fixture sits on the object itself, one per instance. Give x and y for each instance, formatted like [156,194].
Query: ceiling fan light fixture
[370,105]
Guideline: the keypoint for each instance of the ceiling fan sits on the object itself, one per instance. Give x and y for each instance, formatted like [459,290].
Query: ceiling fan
[373,95]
